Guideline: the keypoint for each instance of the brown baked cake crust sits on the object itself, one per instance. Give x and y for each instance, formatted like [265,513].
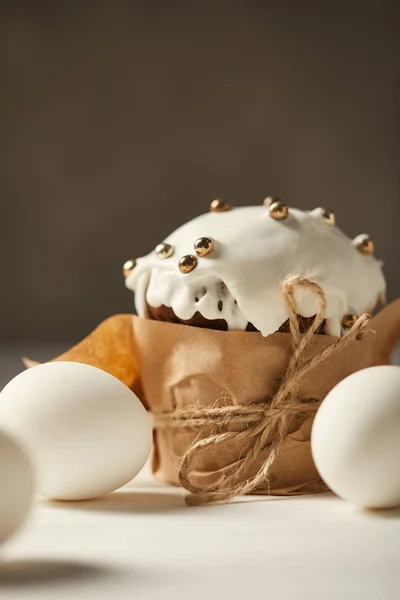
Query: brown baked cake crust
[165,313]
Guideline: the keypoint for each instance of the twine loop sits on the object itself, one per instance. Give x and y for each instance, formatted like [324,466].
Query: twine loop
[262,423]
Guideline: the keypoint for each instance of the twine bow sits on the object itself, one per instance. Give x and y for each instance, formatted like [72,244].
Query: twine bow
[257,422]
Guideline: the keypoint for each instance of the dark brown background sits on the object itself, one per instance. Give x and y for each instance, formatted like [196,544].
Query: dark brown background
[120,120]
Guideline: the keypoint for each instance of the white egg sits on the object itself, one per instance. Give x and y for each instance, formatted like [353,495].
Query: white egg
[87,432]
[356,438]
[16,485]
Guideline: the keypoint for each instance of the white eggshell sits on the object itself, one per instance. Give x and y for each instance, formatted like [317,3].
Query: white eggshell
[16,485]
[356,438]
[87,432]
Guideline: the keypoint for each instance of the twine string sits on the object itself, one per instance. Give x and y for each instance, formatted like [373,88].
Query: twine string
[259,423]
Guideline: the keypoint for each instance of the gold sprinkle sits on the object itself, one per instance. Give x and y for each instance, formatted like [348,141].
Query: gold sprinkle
[187,263]
[164,250]
[364,244]
[270,200]
[349,320]
[203,246]
[329,216]
[278,211]
[128,267]
[219,205]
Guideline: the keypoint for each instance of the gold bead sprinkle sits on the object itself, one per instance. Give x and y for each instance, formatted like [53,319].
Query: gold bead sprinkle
[128,267]
[219,205]
[203,246]
[187,263]
[164,250]
[278,211]
[364,244]
[329,216]
[270,200]
[349,320]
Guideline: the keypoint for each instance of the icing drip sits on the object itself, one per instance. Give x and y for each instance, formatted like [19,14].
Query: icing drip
[210,297]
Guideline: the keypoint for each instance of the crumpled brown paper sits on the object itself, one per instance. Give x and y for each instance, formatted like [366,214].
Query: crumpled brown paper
[174,366]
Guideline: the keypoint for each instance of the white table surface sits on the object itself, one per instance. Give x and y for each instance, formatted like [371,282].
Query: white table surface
[143,542]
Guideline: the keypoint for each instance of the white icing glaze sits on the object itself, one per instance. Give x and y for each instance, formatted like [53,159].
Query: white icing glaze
[253,255]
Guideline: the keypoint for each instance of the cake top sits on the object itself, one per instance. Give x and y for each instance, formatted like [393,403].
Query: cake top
[230,264]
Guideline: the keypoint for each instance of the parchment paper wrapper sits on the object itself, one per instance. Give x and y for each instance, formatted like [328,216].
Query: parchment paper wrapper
[182,367]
